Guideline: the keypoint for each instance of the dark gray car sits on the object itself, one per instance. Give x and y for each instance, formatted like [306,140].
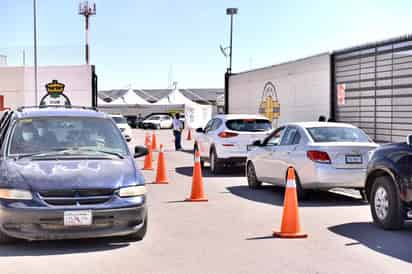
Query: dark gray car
[68,173]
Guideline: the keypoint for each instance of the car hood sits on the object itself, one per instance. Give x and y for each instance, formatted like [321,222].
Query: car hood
[40,175]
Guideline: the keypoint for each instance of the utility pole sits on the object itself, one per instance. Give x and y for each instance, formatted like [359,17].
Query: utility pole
[87,10]
[36,91]
[231,12]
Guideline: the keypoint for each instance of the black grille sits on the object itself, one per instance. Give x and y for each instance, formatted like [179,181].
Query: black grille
[76,197]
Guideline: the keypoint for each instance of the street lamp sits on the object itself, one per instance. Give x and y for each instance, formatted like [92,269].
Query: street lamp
[35,51]
[231,12]
[87,10]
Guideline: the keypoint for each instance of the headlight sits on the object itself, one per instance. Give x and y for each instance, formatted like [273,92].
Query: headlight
[132,191]
[15,194]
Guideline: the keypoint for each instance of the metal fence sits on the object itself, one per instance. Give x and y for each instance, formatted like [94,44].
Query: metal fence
[377,86]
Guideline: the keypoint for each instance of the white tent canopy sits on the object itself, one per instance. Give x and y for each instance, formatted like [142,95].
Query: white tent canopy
[196,115]
[175,98]
[131,98]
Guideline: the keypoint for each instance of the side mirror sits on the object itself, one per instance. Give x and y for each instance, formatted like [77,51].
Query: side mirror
[200,130]
[409,139]
[140,151]
[257,143]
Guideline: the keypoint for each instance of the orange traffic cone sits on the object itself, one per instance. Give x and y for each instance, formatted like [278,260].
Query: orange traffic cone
[161,174]
[154,143]
[148,161]
[290,221]
[197,194]
[189,135]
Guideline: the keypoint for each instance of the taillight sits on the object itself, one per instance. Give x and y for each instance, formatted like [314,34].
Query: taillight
[226,134]
[318,156]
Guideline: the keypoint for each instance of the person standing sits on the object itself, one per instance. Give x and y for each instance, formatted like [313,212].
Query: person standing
[177,131]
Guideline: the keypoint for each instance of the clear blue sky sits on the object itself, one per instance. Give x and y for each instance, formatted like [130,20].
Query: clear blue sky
[135,42]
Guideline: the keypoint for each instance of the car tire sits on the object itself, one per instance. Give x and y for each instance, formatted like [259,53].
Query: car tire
[252,179]
[386,206]
[140,234]
[215,166]
[5,239]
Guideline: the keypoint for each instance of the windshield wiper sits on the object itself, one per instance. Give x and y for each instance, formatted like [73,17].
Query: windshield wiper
[58,151]
[103,151]
[50,152]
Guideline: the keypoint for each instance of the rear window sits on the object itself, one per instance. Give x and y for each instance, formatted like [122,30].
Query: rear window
[249,125]
[337,134]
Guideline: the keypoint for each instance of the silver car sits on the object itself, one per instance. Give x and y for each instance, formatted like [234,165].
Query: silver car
[324,155]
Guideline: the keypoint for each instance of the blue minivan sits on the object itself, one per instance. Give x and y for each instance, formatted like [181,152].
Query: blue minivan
[68,173]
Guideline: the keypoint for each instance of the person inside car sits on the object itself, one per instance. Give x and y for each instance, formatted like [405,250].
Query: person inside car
[28,141]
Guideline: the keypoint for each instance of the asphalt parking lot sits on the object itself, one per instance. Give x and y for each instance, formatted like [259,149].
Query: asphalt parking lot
[229,234]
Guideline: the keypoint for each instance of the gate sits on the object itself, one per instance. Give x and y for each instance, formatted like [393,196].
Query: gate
[372,88]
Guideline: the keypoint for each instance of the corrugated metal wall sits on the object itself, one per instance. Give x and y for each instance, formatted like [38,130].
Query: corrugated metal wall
[378,88]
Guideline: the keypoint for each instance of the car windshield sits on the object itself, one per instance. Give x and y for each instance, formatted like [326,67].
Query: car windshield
[337,134]
[76,134]
[154,118]
[119,120]
[249,125]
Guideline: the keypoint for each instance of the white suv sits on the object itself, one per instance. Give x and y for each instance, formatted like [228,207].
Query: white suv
[225,138]
[124,127]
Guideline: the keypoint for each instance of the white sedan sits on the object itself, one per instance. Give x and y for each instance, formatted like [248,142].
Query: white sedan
[158,122]
[225,138]
[324,155]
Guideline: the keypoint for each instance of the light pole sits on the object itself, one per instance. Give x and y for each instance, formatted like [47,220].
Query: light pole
[87,10]
[36,92]
[231,12]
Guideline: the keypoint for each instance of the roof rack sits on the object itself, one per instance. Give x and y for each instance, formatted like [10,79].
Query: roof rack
[20,109]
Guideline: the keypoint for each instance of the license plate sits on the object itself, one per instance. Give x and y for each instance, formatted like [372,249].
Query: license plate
[78,218]
[353,159]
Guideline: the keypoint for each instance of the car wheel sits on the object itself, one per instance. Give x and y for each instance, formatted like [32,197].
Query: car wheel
[252,179]
[5,239]
[215,167]
[386,206]
[139,235]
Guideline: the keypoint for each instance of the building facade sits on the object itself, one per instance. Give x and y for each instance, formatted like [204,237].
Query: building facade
[369,86]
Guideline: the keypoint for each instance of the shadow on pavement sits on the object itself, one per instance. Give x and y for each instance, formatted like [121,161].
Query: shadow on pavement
[228,172]
[176,202]
[189,151]
[261,238]
[274,195]
[60,247]
[396,244]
